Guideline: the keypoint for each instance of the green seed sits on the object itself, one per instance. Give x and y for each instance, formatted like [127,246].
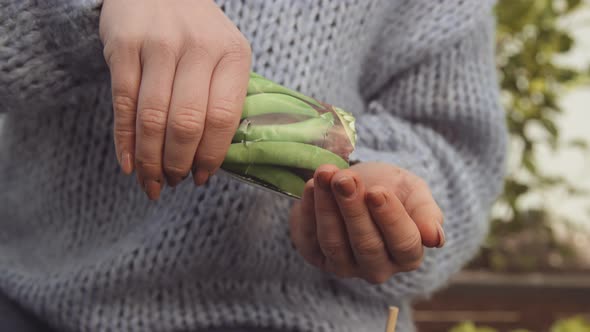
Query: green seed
[308,131]
[287,154]
[278,177]
[265,103]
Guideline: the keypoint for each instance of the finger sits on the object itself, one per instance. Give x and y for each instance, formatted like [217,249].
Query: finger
[159,66]
[125,72]
[401,234]
[364,236]
[423,209]
[226,98]
[186,120]
[331,231]
[303,228]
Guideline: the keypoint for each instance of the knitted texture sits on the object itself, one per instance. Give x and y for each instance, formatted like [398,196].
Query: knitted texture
[81,246]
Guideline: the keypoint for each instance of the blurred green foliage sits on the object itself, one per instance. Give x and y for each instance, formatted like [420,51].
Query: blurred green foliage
[528,40]
[574,324]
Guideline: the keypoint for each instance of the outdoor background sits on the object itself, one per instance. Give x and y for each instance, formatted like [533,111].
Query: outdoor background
[534,271]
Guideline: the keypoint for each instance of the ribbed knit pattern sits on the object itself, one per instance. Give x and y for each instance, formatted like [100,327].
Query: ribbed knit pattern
[82,247]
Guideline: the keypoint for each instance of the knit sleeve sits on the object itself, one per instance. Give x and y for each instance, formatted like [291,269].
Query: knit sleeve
[47,49]
[440,118]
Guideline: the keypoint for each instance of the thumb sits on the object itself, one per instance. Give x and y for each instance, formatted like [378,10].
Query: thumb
[427,215]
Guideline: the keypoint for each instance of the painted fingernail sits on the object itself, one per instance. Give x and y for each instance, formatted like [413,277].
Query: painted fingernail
[152,189]
[201,177]
[173,181]
[346,186]
[376,198]
[126,162]
[441,235]
[324,179]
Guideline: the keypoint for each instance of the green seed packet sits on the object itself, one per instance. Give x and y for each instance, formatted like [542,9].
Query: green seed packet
[284,136]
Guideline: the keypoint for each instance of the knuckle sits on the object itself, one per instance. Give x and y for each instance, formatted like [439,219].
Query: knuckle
[417,183]
[390,224]
[223,115]
[152,121]
[186,125]
[406,185]
[369,246]
[353,214]
[238,49]
[119,45]
[123,102]
[176,171]
[323,212]
[209,160]
[408,247]
[163,45]
[412,211]
[198,48]
[148,167]
[123,133]
[124,41]
[332,248]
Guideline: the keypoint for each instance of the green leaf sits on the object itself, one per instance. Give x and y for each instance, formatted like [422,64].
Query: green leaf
[565,43]
[530,166]
[578,143]
[515,187]
[564,75]
[551,180]
[573,4]
[550,126]
[572,190]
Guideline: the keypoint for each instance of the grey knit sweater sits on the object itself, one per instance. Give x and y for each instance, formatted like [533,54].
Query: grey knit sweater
[81,246]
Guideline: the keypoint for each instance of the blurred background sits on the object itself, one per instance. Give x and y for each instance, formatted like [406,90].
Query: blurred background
[533,274]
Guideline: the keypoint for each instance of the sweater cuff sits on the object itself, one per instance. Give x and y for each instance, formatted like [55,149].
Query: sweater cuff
[53,48]
[72,25]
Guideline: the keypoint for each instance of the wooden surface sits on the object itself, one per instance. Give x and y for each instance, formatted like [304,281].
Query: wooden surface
[531,301]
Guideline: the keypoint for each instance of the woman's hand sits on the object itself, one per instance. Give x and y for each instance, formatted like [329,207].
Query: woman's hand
[370,221]
[179,72]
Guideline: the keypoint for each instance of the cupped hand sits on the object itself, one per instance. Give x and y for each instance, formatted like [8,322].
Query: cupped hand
[370,221]
[179,72]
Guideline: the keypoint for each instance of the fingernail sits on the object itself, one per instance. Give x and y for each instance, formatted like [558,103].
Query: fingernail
[126,162]
[201,177]
[346,186]
[441,235]
[152,189]
[324,179]
[376,198]
[174,181]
